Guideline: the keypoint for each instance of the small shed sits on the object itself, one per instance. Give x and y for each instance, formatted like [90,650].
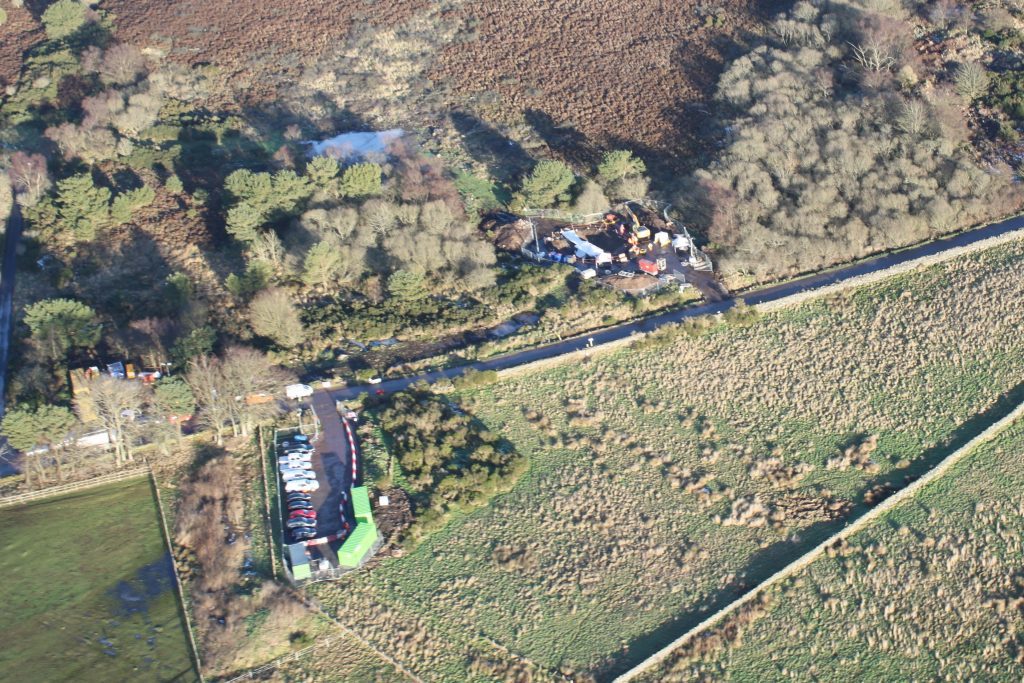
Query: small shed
[299,561]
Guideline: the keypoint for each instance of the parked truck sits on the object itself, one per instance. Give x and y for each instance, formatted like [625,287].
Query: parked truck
[297,391]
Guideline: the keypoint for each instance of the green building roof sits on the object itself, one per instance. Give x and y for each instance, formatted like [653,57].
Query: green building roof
[358,544]
[361,504]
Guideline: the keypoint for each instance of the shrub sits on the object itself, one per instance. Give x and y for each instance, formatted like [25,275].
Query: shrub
[476,378]
[361,180]
[548,184]
[63,18]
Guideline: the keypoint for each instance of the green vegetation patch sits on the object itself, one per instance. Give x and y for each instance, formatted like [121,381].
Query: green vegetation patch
[666,479]
[89,590]
[931,591]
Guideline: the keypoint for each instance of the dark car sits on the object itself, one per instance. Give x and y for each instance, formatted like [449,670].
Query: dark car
[295,446]
[303,534]
[308,514]
[300,505]
[298,495]
[301,522]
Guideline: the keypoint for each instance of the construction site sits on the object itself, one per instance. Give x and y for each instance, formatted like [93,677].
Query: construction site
[635,246]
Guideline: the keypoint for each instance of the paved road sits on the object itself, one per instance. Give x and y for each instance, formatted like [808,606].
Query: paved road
[333,465]
[653,322]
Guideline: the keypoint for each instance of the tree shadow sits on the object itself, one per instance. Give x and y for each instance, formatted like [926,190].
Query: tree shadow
[564,140]
[504,158]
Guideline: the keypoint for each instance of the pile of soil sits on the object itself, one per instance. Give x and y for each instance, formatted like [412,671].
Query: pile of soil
[391,519]
[512,236]
[639,283]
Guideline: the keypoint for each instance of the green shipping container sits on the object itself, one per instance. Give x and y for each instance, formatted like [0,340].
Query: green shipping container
[361,504]
[357,545]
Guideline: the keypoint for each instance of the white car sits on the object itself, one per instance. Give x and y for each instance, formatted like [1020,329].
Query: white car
[294,464]
[304,485]
[291,475]
[297,454]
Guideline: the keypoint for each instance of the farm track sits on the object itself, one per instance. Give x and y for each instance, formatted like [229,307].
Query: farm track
[859,524]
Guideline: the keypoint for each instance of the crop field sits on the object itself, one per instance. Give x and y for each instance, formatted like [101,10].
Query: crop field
[667,478]
[88,590]
[931,591]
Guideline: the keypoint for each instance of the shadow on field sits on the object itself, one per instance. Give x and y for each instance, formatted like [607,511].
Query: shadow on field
[504,158]
[777,556]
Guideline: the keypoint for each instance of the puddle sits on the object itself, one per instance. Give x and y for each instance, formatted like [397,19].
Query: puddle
[151,581]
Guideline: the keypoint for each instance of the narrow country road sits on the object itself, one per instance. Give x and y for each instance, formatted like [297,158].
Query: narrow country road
[653,322]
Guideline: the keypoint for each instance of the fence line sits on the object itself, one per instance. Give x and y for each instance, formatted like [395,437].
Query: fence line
[283,659]
[266,505]
[814,553]
[177,577]
[20,498]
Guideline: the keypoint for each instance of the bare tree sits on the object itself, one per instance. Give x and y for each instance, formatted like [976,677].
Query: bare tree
[254,383]
[118,403]
[273,315]
[971,81]
[29,177]
[121,65]
[6,196]
[206,377]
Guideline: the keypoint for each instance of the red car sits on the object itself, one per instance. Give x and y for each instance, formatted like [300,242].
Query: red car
[308,514]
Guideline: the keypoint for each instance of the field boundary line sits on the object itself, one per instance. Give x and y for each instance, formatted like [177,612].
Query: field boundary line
[892,271]
[313,604]
[807,558]
[177,577]
[70,487]
[283,659]
[791,300]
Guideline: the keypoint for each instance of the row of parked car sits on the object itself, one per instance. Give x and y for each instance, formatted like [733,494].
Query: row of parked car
[295,464]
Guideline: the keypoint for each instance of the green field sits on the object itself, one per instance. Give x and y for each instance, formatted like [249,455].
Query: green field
[931,591]
[665,480]
[88,590]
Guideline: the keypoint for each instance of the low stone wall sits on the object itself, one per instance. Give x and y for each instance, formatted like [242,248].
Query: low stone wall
[807,558]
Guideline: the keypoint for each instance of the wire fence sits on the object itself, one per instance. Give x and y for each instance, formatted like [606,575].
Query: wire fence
[177,577]
[71,487]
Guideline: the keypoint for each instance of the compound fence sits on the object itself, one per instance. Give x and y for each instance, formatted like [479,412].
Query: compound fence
[70,487]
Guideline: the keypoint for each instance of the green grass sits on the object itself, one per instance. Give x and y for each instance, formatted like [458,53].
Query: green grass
[600,554]
[88,593]
[931,591]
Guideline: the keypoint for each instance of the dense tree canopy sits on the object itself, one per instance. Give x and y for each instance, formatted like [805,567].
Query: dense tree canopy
[822,167]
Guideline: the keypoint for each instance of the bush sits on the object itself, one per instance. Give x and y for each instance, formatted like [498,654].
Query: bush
[476,378]
[63,18]
[450,460]
[361,180]
[548,184]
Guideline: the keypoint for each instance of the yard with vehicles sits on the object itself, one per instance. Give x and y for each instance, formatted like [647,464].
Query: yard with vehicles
[666,478]
[932,590]
[89,589]
[325,526]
